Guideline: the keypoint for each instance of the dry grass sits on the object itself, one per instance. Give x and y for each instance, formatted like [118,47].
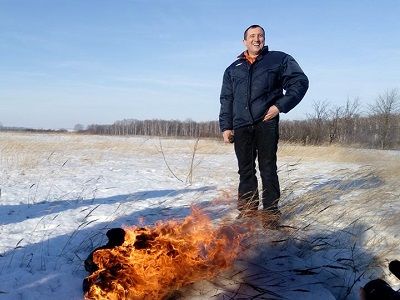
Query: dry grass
[386,164]
[351,216]
[26,149]
[343,239]
[346,231]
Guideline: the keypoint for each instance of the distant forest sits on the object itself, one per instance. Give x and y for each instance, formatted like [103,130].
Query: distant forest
[378,127]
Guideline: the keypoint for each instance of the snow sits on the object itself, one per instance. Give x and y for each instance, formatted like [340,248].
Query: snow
[61,193]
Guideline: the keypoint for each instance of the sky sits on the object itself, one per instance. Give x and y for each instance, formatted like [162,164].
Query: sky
[65,62]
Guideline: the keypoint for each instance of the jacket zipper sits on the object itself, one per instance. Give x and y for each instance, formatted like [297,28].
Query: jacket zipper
[249,91]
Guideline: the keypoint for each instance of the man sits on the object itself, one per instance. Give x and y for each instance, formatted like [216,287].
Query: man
[252,96]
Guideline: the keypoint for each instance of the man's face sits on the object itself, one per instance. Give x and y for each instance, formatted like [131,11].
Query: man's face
[254,41]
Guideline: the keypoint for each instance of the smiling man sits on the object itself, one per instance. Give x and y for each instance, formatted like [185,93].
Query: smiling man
[258,86]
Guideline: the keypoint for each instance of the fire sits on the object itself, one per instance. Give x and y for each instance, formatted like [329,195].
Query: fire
[152,262]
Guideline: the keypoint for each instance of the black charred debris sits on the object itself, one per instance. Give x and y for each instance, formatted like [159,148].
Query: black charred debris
[378,289]
[116,237]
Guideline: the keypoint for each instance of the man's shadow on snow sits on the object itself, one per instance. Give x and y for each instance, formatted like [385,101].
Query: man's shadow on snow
[20,212]
[296,263]
[324,266]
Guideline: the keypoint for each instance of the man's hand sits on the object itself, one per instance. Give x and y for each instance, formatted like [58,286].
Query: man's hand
[272,112]
[228,136]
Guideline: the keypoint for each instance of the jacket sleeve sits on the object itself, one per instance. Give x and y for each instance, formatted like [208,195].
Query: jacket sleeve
[295,83]
[226,99]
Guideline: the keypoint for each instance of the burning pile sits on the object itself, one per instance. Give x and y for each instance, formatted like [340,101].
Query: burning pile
[148,263]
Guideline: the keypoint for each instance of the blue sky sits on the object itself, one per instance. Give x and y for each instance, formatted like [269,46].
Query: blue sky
[65,62]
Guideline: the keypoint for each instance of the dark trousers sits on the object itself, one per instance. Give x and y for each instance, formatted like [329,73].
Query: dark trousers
[259,140]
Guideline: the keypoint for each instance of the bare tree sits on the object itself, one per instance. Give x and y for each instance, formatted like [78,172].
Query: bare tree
[384,109]
[320,110]
[351,112]
[318,120]
[352,108]
[388,103]
[335,115]
[78,127]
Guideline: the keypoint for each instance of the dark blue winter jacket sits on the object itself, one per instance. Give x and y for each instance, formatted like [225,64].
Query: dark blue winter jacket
[248,90]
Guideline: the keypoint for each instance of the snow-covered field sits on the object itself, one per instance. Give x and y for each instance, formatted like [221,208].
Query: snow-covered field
[61,193]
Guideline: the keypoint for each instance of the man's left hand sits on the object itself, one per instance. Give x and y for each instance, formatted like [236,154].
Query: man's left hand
[272,112]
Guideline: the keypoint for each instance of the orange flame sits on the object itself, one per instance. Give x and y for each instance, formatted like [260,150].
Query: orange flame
[155,261]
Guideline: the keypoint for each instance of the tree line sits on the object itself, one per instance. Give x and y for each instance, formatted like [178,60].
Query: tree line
[378,128]
[156,127]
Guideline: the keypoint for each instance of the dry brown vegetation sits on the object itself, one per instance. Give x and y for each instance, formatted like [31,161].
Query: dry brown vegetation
[354,215]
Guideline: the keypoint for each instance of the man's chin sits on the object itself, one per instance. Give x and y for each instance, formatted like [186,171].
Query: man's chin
[256,51]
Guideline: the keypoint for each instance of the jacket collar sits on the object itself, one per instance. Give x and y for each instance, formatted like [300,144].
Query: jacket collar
[263,52]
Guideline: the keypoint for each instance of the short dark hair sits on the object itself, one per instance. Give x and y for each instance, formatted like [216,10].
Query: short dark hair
[251,27]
